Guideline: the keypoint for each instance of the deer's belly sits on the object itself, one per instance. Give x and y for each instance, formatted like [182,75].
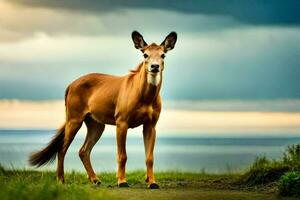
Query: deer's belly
[103,114]
[135,117]
[104,118]
[140,116]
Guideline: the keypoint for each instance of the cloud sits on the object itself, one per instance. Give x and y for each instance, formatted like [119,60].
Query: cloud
[255,12]
[277,105]
[23,19]
[44,45]
[50,114]
[247,63]
[58,22]
[18,23]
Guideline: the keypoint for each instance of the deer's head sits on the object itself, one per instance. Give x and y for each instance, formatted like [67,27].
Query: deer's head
[154,54]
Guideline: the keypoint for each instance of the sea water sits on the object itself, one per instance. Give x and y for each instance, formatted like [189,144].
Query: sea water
[173,152]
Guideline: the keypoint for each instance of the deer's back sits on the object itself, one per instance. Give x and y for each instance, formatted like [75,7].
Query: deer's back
[94,94]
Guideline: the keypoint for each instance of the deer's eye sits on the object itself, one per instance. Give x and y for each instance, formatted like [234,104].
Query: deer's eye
[146,55]
[163,56]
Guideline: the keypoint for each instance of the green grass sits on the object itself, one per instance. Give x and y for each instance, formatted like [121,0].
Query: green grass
[261,181]
[24,184]
[289,184]
[265,171]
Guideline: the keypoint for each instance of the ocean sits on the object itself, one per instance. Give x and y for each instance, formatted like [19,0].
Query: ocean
[226,154]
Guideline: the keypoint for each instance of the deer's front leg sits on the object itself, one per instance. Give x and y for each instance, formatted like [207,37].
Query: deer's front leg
[121,152]
[149,134]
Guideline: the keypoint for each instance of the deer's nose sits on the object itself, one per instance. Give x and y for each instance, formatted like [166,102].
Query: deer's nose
[154,68]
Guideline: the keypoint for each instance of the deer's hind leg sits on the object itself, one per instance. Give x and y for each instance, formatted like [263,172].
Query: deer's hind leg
[94,132]
[71,128]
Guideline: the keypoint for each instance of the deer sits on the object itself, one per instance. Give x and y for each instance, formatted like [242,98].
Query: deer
[125,101]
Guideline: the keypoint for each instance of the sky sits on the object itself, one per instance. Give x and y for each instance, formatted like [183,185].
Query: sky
[226,49]
[173,121]
[235,67]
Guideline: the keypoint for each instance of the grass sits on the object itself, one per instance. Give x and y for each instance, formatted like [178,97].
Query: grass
[259,182]
[24,184]
[265,171]
[289,184]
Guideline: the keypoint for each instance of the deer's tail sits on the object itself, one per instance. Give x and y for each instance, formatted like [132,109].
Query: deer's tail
[48,154]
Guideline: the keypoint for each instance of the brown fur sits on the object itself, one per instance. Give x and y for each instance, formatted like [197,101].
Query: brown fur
[98,99]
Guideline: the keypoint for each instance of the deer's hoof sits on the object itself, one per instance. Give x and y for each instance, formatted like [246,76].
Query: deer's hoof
[123,185]
[61,180]
[96,182]
[153,186]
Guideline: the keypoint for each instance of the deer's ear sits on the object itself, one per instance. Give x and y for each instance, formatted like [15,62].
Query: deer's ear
[169,42]
[138,40]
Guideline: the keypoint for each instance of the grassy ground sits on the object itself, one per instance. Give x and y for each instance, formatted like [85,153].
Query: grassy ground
[260,181]
[18,184]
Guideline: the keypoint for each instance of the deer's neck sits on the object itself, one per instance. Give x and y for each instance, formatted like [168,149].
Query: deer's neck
[149,85]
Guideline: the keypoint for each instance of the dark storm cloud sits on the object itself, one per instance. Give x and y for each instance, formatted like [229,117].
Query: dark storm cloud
[253,12]
[231,50]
